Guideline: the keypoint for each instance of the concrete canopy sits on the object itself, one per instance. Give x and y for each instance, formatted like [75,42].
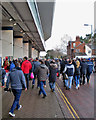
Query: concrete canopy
[21,14]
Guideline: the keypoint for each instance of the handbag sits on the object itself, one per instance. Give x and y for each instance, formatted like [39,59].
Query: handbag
[65,76]
[32,75]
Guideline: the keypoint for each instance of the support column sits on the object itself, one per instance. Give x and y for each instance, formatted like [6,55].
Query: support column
[34,53]
[30,49]
[7,41]
[25,48]
[18,46]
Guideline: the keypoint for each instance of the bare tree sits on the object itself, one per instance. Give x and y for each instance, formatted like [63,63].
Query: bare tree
[64,43]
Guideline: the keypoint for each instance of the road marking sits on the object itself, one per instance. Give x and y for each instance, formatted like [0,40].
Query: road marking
[66,103]
[64,97]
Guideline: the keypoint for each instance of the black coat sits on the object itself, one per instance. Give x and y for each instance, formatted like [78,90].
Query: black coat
[84,67]
[53,72]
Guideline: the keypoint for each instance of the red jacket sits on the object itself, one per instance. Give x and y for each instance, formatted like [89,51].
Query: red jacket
[26,66]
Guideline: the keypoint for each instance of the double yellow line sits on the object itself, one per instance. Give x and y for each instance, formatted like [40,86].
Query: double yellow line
[69,106]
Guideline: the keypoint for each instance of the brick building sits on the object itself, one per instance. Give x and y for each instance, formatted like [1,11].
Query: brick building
[76,48]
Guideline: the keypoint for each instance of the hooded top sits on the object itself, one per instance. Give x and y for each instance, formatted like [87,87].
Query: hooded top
[17,79]
[42,72]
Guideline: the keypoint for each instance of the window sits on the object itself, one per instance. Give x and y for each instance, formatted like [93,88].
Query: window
[73,44]
[77,50]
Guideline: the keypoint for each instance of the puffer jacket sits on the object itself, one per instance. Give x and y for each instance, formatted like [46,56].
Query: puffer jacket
[53,69]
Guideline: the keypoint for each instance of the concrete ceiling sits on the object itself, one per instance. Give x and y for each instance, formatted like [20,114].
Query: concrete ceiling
[21,14]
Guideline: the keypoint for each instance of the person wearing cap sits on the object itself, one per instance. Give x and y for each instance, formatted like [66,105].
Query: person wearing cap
[89,69]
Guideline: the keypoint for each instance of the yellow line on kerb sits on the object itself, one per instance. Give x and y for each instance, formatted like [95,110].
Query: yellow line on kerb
[66,104]
[68,101]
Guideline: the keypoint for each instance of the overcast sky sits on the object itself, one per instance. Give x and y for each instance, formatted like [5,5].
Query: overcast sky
[69,18]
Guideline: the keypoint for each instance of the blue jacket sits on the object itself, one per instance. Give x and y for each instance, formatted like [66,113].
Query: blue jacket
[90,67]
[11,66]
[17,79]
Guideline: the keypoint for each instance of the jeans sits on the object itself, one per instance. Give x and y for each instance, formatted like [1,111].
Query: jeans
[42,88]
[27,79]
[3,83]
[33,82]
[17,94]
[68,82]
[52,85]
[88,77]
[77,77]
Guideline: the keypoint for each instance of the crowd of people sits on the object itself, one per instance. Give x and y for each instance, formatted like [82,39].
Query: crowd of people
[18,73]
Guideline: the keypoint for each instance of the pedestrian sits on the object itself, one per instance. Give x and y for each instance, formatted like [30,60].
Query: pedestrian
[89,69]
[3,76]
[12,65]
[53,69]
[17,80]
[63,63]
[6,64]
[69,70]
[77,74]
[36,63]
[42,72]
[26,67]
[84,67]
[58,66]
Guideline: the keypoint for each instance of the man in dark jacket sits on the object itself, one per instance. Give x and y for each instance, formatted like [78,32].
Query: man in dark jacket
[42,72]
[84,67]
[63,63]
[17,79]
[53,69]
[36,63]
[89,69]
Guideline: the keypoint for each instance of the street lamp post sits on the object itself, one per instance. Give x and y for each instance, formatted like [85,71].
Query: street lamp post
[91,34]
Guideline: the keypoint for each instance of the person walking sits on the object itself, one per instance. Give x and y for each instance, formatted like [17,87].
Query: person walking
[42,72]
[89,69]
[84,67]
[36,63]
[69,70]
[53,69]
[17,80]
[77,74]
[26,67]
[3,76]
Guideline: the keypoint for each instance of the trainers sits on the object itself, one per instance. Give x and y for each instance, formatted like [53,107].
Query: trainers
[20,107]
[44,86]
[76,87]
[32,86]
[2,86]
[11,114]
[44,96]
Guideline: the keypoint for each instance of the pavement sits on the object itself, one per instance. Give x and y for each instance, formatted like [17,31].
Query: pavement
[60,104]
[34,106]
